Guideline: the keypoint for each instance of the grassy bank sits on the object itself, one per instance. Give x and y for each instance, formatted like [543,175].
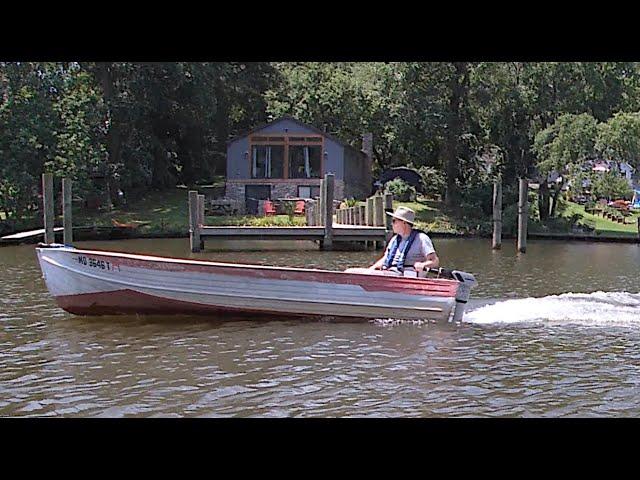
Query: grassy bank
[166,213]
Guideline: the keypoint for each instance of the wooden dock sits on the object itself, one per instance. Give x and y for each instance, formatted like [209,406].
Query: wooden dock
[340,233]
[326,225]
[29,234]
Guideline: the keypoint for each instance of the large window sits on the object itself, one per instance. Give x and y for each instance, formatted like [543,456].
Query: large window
[308,191]
[304,161]
[267,161]
[293,155]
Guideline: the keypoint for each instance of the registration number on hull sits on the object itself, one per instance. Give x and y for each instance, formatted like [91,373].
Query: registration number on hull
[95,263]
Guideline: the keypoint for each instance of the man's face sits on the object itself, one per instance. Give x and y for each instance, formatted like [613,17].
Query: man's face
[400,227]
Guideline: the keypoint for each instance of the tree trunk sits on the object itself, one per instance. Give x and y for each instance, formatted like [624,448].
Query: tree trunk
[556,196]
[543,199]
[105,76]
[458,89]
[222,128]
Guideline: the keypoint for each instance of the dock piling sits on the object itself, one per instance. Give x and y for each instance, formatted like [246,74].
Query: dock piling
[47,204]
[194,229]
[67,234]
[327,212]
[523,208]
[497,215]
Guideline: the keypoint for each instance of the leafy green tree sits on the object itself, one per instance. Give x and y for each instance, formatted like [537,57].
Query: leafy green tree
[611,185]
[619,138]
[568,142]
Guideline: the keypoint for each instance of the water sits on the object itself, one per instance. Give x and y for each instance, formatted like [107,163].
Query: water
[555,332]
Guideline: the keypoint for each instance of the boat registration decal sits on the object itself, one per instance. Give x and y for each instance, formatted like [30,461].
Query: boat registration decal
[95,263]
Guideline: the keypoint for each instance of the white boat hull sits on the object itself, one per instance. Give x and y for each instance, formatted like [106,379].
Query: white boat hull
[94,282]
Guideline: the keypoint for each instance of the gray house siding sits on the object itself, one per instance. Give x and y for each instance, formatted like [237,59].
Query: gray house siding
[357,180]
[238,166]
[334,159]
[350,166]
[238,160]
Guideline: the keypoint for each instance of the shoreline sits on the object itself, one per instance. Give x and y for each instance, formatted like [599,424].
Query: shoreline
[112,233]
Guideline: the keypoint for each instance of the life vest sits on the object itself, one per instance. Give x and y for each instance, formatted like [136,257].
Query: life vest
[393,249]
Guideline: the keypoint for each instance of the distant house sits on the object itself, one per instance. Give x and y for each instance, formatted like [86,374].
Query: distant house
[287,158]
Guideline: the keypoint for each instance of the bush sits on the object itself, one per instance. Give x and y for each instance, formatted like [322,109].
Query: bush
[433,179]
[401,190]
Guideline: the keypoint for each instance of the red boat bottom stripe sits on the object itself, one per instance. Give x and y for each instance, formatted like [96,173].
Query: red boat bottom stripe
[130,302]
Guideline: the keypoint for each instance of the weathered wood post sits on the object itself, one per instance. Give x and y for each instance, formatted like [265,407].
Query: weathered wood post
[378,215]
[47,204]
[321,202]
[308,212]
[523,211]
[194,230]
[639,229]
[362,216]
[327,214]
[497,215]
[201,218]
[67,235]
[369,213]
[388,207]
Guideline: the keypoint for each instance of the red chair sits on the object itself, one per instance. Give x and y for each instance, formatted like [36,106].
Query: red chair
[299,210]
[269,208]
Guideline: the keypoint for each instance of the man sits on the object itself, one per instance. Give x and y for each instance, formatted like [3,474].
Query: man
[409,249]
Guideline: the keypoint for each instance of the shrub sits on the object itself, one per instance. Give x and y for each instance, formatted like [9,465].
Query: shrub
[401,190]
[433,179]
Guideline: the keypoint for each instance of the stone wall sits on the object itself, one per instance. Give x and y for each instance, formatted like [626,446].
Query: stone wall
[236,190]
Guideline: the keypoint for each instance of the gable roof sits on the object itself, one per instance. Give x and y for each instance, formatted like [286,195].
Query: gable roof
[302,124]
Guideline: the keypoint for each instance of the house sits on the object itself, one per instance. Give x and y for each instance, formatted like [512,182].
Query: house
[288,158]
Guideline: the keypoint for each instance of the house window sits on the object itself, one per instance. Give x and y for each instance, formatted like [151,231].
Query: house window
[308,191]
[304,161]
[267,161]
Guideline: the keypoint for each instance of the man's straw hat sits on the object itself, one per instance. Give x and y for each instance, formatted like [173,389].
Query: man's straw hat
[405,214]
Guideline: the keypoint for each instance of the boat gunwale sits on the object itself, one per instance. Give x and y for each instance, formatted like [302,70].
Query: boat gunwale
[188,261]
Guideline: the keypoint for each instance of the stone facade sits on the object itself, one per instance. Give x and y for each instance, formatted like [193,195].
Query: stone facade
[235,190]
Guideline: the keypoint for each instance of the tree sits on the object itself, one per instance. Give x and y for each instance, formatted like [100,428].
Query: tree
[565,144]
[619,138]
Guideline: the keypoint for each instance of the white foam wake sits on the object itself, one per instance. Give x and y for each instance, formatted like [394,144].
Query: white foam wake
[595,309]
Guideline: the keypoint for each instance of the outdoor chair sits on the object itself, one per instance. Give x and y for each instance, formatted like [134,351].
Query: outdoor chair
[269,208]
[299,210]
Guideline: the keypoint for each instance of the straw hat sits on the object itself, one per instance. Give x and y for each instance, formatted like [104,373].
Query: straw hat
[405,214]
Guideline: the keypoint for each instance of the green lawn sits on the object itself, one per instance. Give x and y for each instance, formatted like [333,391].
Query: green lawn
[603,226]
[164,212]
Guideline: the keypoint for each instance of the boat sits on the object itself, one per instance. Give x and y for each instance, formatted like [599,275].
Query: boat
[100,282]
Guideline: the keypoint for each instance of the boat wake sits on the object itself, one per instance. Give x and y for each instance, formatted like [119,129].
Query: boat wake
[591,309]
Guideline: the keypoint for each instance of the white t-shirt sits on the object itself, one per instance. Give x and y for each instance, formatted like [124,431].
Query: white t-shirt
[420,248]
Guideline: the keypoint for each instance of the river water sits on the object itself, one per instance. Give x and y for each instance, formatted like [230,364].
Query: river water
[554,332]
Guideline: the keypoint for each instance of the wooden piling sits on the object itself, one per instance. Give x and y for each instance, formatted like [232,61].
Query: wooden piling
[362,218]
[369,210]
[67,235]
[308,212]
[321,202]
[388,207]
[378,216]
[47,204]
[194,230]
[523,210]
[201,218]
[327,214]
[497,215]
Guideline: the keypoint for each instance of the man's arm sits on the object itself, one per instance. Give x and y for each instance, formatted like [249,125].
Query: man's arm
[431,261]
[378,264]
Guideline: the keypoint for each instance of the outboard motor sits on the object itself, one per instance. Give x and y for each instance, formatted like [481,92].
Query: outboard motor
[467,282]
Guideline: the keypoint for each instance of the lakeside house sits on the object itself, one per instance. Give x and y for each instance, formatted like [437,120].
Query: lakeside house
[286,158]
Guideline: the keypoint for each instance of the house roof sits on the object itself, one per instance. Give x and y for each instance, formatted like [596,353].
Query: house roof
[295,120]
